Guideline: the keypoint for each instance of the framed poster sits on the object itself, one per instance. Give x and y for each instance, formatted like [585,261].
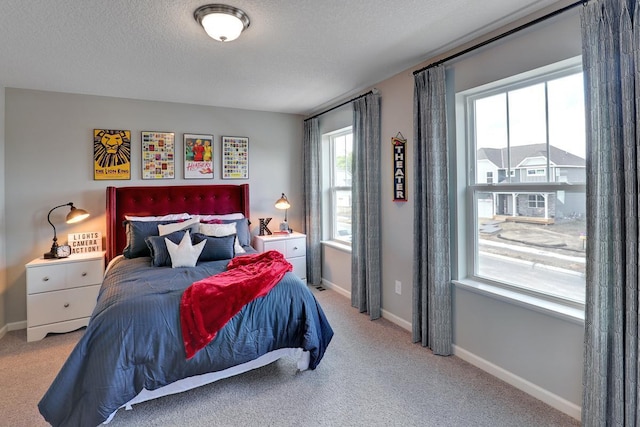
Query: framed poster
[198,156]
[235,157]
[399,144]
[158,150]
[111,154]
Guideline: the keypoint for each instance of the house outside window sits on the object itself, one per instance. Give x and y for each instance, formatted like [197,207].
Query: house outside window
[528,225]
[339,145]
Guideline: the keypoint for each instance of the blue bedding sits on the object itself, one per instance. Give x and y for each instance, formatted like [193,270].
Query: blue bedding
[134,341]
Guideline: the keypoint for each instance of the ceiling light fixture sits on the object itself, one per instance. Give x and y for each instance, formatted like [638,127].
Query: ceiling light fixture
[223,23]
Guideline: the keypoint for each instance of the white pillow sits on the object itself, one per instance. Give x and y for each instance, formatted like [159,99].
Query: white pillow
[237,215]
[165,229]
[169,217]
[221,230]
[184,254]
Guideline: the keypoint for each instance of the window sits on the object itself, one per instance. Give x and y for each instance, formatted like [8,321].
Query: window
[528,226]
[340,144]
[489,177]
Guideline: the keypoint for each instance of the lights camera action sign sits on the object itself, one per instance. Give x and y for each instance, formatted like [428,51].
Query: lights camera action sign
[82,243]
[399,163]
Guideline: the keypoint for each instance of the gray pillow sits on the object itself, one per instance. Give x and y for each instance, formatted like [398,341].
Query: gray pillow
[216,248]
[138,231]
[242,228]
[158,248]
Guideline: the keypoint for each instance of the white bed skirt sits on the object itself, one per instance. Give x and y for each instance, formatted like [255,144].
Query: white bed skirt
[185,384]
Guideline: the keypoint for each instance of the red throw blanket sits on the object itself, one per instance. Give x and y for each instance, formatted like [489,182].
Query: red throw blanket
[208,304]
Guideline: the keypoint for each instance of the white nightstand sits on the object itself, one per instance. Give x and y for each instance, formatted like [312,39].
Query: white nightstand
[293,246]
[62,293]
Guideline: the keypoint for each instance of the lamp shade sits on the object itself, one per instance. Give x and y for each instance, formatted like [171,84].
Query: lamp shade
[221,22]
[282,202]
[76,215]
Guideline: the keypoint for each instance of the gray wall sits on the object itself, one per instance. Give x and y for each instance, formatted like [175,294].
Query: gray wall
[534,350]
[3,268]
[49,151]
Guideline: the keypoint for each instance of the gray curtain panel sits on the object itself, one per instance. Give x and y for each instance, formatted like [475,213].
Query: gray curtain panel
[365,216]
[312,199]
[431,257]
[611,61]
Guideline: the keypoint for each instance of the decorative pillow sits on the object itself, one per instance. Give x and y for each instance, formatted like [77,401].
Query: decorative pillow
[242,230]
[184,254]
[191,224]
[137,232]
[237,215]
[220,230]
[169,217]
[158,247]
[216,248]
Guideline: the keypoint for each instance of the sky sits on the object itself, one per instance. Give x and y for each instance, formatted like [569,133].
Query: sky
[527,116]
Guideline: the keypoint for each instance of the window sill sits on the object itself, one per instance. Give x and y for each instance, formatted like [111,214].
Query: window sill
[555,309]
[336,245]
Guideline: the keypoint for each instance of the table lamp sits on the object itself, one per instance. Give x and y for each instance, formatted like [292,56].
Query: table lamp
[283,203]
[74,215]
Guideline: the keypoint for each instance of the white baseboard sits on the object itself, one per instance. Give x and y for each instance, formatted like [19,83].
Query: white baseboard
[387,315]
[551,399]
[16,326]
[327,284]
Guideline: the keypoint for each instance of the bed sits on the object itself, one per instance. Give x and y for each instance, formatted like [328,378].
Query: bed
[133,349]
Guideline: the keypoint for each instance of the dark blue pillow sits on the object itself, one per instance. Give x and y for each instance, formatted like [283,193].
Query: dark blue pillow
[137,232]
[242,229]
[158,248]
[216,248]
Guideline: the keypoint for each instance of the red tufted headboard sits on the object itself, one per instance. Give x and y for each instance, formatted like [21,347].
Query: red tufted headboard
[144,201]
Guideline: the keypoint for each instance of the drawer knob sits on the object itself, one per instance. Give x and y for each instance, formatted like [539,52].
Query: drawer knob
[84,273]
[66,305]
[295,248]
[45,279]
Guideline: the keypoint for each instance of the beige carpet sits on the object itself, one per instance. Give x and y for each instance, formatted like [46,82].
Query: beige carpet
[372,375]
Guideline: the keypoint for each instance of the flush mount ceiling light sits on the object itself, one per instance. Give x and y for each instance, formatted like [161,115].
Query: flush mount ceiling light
[222,22]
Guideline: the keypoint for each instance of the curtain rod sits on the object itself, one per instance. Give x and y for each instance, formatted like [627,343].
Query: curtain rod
[343,104]
[500,36]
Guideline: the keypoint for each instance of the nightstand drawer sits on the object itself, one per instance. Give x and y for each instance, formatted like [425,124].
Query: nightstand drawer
[296,247]
[46,278]
[299,265]
[67,304]
[277,245]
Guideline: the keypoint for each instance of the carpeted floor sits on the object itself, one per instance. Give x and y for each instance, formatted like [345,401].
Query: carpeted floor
[371,375]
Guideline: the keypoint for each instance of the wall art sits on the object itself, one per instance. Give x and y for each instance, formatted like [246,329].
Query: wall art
[399,144]
[158,151]
[198,156]
[235,157]
[111,154]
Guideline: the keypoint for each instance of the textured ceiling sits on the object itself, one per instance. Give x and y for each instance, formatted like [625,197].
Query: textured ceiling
[296,56]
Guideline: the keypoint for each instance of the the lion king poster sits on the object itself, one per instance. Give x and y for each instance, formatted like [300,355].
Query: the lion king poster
[111,154]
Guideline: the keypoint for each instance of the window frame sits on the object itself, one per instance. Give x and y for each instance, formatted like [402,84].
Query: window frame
[332,227]
[466,175]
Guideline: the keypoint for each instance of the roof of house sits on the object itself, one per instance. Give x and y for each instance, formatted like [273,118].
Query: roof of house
[557,156]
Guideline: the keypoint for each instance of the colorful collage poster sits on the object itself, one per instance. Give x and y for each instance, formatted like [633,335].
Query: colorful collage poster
[235,157]
[198,156]
[111,154]
[158,149]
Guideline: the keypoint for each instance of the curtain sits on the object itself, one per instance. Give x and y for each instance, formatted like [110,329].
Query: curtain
[611,39]
[431,257]
[312,193]
[365,215]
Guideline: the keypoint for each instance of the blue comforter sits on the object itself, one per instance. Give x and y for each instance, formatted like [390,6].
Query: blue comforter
[134,341]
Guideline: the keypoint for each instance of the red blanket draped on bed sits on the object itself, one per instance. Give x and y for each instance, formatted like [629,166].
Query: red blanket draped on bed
[208,304]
